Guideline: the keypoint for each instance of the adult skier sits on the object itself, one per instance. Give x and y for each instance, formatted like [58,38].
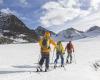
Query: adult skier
[70,48]
[59,53]
[45,50]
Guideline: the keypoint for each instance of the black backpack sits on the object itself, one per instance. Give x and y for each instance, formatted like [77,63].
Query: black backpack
[45,43]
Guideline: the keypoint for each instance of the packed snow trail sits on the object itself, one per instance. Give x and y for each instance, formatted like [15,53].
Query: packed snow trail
[18,62]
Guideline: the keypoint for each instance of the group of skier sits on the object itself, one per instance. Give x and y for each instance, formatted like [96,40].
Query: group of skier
[45,43]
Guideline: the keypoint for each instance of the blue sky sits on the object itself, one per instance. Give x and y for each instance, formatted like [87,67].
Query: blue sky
[27,10]
[51,14]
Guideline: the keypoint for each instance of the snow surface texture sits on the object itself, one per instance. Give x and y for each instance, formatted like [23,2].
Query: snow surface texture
[19,62]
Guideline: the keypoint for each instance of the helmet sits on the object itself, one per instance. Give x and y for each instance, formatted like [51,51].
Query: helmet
[47,34]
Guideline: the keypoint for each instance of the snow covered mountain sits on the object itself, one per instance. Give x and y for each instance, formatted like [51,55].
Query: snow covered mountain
[13,28]
[69,34]
[93,31]
[40,31]
[73,34]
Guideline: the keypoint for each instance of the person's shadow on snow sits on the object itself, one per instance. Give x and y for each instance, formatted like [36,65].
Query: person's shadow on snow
[24,66]
[9,72]
[19,69]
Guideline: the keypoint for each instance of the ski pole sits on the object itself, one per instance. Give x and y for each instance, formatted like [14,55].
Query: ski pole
[52,56]
[39,58]
[74,58]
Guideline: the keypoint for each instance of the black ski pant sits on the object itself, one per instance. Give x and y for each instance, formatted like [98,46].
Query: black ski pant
[44,57]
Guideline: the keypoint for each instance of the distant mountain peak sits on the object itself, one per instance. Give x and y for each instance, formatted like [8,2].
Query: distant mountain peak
[41,30]
[5,14]
[71,28]
[93,28]
[69,34]
[40,27]
[12,26]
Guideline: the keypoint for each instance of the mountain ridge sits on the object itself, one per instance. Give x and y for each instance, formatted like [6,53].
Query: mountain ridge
[11,26]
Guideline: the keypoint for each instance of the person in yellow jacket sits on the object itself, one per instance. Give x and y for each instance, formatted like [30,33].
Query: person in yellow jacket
[45,50]
[59,52]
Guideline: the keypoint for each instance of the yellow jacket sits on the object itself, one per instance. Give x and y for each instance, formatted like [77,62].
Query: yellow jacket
[46,50]
[60,48]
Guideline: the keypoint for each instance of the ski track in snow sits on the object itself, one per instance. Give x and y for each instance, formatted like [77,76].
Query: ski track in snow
[18,62]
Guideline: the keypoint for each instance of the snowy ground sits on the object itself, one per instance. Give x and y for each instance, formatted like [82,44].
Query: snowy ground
[18,62]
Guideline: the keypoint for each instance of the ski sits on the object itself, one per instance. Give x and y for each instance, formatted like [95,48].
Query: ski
[60,66]
[44,71]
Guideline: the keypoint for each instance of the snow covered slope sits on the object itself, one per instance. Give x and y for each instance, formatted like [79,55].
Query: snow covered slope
[18,62]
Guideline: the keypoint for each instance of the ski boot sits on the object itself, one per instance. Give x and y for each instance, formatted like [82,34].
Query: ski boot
[62,65]
[55,66]
[39,69]
[46,69]
[67,61]
[70,61]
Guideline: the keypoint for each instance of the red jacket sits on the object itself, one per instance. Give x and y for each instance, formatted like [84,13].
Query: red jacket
[70,48]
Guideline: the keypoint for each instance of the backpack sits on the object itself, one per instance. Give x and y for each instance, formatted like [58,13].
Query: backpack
[45,43]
